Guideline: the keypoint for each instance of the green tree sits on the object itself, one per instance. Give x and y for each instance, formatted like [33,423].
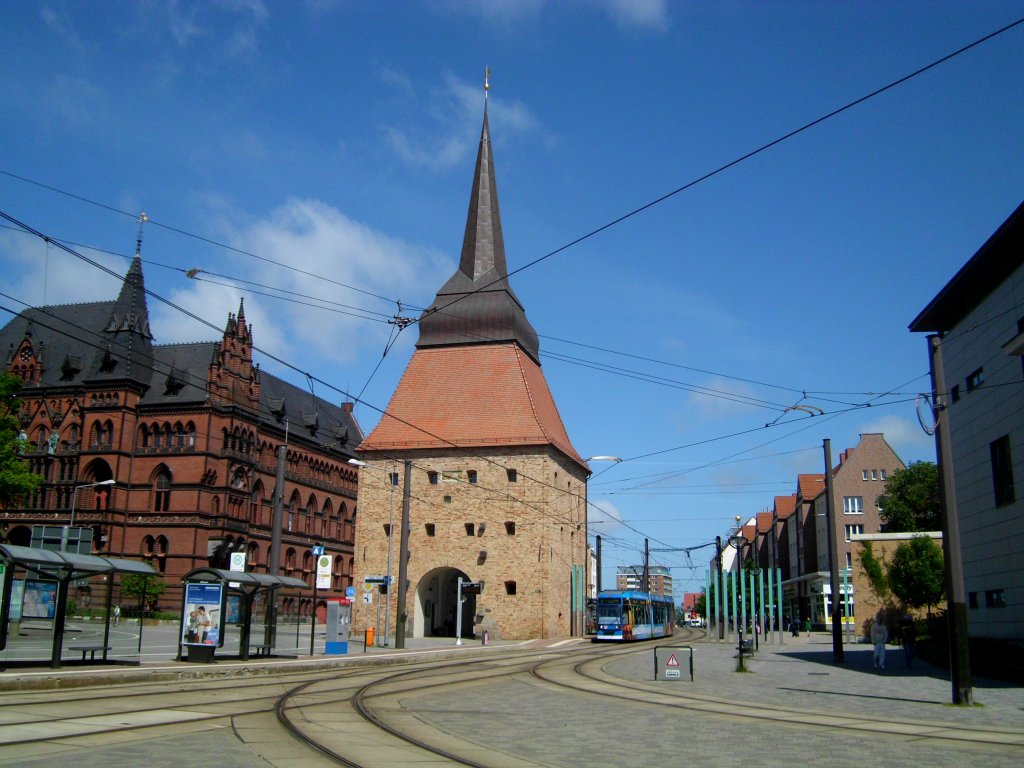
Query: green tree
[875,570]
[911,499]
[16,481]
[143,587]
[915,574]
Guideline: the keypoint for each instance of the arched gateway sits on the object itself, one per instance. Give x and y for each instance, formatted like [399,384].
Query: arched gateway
[436,599]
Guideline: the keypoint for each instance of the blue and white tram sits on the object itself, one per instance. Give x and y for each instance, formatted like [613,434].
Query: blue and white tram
[633,615]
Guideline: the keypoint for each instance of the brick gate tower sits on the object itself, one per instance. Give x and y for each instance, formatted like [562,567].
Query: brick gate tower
[497,492]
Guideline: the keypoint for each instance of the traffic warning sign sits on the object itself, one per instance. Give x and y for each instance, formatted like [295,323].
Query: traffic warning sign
[672,661]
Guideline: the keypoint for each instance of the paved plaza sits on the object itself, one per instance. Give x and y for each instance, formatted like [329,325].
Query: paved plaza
[556,727]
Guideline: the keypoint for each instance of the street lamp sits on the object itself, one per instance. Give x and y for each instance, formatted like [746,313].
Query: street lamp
[74,501]
[738,540]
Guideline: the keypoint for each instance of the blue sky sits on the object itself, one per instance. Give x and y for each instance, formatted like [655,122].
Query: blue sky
[339,137]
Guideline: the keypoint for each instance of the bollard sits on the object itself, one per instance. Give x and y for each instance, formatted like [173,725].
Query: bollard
[487,637]
[368,638]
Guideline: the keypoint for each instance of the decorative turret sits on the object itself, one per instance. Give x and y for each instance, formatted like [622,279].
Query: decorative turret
[232,377]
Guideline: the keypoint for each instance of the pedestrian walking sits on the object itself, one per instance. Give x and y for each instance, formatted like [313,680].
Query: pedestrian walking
[117,615]
[879,636]
[909,632]
[807,626]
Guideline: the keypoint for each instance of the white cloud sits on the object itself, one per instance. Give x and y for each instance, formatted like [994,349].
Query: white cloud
[906,437]
[80,104]
[39,275]
[320,240]
[646,14]
[603,518]
[720,398]
[456,107]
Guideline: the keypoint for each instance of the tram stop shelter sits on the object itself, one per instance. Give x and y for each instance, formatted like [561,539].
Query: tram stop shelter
[230,594]
[55,572]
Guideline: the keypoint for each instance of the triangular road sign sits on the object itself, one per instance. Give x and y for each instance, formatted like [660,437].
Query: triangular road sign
[672,662]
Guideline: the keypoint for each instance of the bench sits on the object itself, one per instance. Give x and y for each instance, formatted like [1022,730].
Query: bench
[260,649]
[90,649]
[746,647]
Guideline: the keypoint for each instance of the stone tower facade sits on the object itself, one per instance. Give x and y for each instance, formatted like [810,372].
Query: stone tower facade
[496,493]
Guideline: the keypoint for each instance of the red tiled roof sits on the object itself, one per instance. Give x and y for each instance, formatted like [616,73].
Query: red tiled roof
[811,486]
[748,532]
[785,506]
[764,522]
[471,396]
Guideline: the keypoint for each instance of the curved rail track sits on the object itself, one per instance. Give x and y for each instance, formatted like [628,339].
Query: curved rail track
[376,716]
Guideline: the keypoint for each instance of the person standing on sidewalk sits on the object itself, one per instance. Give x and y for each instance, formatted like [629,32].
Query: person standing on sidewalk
[117,615]
[879,636]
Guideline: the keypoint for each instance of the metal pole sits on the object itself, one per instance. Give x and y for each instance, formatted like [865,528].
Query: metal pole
[274,558]
[646,580]
[312,616]
[458,613]
[391,535]
[719,595]
[598,585]
[778,608]
[403,557]
[833,561]
[956,605]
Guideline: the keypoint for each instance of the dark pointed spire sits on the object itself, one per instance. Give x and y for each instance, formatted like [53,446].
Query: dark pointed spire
[477,305]
[128,352]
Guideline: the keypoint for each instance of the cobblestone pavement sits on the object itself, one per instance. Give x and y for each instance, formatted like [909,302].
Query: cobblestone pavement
[558,728]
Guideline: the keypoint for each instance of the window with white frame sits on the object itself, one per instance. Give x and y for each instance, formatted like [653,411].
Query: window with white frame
[853,505]
[853,529]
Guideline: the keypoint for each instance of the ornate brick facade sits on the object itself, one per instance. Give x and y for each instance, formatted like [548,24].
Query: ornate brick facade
[187,432]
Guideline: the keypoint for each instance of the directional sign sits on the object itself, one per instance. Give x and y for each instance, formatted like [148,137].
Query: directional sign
[317,550]
[471,587]
[381,580]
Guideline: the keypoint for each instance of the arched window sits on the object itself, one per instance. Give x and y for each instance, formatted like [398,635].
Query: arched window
[307,562]
[190,434]
[179,435]
[162,491]
[253,555]
[292,506]
[255,499]
[289,560]
[311,505]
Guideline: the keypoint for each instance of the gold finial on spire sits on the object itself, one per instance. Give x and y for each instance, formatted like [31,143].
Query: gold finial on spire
[143,218]
[487,81]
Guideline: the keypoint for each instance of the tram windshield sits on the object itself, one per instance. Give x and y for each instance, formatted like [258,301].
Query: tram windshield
[609,612]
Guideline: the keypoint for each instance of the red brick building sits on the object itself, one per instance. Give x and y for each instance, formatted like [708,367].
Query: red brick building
[187,432]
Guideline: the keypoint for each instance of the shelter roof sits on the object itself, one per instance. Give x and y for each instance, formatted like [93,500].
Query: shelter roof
[258,580]
[76,562]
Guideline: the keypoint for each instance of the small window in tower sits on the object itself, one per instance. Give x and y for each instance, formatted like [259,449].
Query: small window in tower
[510,587]
[471,476]
[429,528]
[512,477]
[394,478]
[447,499]
[470,529]
[432,477]
[387,529]
[510,527]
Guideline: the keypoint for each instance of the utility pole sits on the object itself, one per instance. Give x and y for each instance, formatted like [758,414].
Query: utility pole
[403,559]
[646,579]
[598,584]
[274,559]
[956,605]
[833,561]
[720,596]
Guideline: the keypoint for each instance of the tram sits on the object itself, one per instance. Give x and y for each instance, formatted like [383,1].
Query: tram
[634,615]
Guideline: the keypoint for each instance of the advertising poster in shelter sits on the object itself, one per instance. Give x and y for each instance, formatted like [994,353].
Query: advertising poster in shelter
[39,600]
[201,620]
[234,608]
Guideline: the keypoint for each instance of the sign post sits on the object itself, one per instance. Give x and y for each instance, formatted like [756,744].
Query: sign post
[317,551]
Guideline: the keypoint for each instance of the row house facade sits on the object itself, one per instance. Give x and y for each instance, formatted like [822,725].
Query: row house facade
[793,536]
[183,438]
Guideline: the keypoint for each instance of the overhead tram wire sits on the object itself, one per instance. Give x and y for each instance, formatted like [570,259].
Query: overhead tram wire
[286,364]
[598,230]
[764,147]
[333,387]
[194,236]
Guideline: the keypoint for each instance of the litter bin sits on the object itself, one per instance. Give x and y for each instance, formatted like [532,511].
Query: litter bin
[371,634]
[199,654]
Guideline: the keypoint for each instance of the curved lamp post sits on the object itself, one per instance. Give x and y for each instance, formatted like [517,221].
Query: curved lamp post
[74,501]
